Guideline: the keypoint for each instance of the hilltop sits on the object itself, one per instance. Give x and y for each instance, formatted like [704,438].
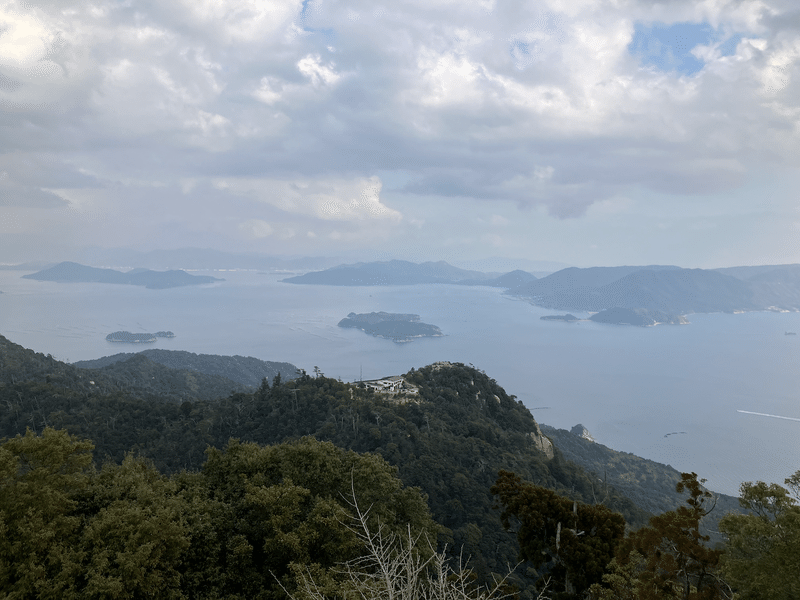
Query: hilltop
[245,370]
[134,374]
[393,272]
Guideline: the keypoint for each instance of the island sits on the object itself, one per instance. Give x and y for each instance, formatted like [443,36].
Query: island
[637,316]
[70,272]
[568,317]
[138,338]
[394,326]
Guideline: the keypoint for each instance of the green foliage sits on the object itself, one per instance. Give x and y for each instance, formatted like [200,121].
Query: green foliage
[450,440]
[136,376]
[649,484]
[400,567]
[762,558]
[669,559]
[135,533]
[243,527]
[285,505]
[40,482]
[570,541]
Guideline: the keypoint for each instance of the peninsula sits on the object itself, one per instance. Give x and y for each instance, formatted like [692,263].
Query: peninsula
[641,317]
[393,326]
[71,272]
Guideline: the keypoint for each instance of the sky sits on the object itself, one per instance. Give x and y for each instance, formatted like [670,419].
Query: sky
[589,132]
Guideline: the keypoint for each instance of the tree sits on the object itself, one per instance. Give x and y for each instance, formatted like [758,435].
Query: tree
[669,558]
[42,479]
[571,541]
[281,508]
[400,567]
[762,557]
[136,535]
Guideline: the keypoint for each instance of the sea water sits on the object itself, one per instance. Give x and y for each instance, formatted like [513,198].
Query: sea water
[668,393]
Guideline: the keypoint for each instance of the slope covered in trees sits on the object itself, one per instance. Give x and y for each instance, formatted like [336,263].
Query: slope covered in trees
[649,484]
[450,439]
[247,525]
[246,370]
[449,433]
[137,376]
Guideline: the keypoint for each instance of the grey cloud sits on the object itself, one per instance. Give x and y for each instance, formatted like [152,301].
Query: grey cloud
[14,194]
[431,90]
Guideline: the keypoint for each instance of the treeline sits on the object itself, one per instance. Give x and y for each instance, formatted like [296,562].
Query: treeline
[450,440]
[137,377]
[245,526]
[308,520]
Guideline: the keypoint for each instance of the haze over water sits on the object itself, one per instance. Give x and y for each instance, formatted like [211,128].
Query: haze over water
[629,386]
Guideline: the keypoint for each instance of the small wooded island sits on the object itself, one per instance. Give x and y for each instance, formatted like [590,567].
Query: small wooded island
[138,338]
[394,326]
[569,317]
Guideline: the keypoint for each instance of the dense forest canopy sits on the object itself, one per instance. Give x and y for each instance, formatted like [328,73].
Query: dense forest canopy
[284,463]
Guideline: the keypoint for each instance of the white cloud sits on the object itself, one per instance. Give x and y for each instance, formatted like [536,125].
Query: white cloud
[531,105]
[256,228]
[311,66]
[327,200]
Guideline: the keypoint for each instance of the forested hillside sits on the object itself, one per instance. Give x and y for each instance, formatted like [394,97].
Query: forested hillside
[450,431]
[649,484]
[137,376]
[451,438]
[246,370]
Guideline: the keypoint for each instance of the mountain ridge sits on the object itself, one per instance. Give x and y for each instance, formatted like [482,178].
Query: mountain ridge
[245,370]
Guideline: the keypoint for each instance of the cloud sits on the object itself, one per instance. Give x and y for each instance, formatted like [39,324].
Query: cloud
[256,228]
[327,200]
[306,110]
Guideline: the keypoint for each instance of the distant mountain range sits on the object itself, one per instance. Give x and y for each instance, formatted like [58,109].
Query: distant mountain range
[393,272]
[663,291]
[71,272]
[667,289]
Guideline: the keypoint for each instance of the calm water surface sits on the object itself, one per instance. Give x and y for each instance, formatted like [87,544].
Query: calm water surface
[629,386]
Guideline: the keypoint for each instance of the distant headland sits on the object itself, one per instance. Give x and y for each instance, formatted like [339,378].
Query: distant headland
[71,272]
[640,317]
[138,338]
[394,326]
[568,317]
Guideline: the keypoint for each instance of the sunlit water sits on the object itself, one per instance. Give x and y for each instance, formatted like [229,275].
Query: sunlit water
[629,386]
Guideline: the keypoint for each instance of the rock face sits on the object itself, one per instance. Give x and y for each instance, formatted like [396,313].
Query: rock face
[542,442]
[581,432]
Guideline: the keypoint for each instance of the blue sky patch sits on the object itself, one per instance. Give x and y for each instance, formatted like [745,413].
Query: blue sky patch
[668,47]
